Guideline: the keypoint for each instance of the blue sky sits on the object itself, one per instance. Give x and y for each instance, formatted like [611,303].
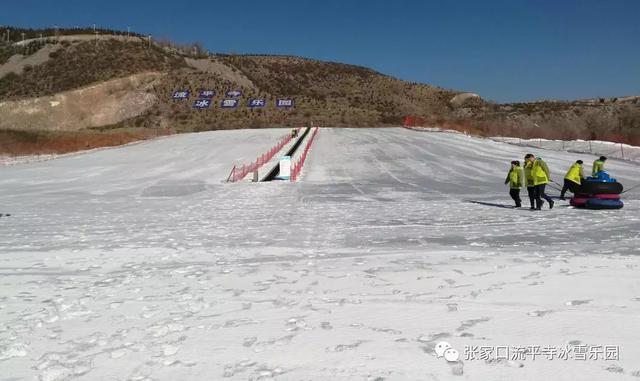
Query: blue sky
[504,50]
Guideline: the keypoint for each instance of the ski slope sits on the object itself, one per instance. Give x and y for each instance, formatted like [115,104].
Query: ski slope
[139,263]
[596,147]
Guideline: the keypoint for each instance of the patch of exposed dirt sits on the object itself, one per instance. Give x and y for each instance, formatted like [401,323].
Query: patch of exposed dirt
[18,62]
[105,103]
[213,66]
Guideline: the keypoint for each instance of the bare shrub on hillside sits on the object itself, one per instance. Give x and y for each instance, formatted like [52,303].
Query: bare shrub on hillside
[629,125]
[596,126]
[14,142]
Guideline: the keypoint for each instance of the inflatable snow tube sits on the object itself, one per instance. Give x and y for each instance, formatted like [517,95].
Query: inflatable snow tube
[595,203]
[602,177]
[607,196]
[578,201]
[590,187]
[599,180]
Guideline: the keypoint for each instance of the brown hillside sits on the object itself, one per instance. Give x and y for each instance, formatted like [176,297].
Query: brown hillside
[83,63]
[325,93]
[343,88]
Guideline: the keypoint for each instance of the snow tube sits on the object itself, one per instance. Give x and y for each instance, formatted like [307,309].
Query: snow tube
[607,196]
[595,203]
[592,187]
[601,177]
[578,201]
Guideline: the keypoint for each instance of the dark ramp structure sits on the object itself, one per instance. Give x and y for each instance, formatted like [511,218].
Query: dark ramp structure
[275,171]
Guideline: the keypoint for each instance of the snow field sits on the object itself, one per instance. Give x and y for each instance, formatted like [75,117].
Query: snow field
[140,263]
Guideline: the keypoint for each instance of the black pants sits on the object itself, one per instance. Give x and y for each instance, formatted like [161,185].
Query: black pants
[515,195]
[568,186]
[532,196]
[539,195]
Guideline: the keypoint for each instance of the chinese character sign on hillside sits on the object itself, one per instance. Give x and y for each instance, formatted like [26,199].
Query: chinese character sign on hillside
[207,94]
[234,93]
[255,103]
[284,102]
[180,94]
[202,103]
[229,103]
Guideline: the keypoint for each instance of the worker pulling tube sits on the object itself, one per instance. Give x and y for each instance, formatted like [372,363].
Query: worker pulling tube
[598,191]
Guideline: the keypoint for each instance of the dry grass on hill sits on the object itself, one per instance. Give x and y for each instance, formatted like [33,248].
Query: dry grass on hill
[17,143]
[84,63]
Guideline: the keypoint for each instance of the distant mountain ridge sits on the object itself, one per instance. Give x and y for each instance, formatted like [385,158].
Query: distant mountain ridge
[62,63]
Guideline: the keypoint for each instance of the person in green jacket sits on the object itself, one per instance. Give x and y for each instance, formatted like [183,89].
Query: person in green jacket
[515,180]
[541,177]
[528,182]
[572,179]
[598,166]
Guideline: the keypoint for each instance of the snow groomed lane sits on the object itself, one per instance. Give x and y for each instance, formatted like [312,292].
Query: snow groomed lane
[139,263]
[291,151]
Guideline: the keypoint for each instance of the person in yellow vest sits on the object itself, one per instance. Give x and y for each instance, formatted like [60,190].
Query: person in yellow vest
[573,178]
[598,166]
[528,182]
[514,179]
[541,177]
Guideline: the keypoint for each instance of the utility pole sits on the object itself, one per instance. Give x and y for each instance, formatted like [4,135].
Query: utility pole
[149,41]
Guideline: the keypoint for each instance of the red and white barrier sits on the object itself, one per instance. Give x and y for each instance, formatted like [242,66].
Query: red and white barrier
[297,166]
[413,121]
[239,172]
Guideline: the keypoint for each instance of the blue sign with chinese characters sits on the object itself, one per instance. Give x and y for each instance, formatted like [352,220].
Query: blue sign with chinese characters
[202,103]
[207,94]
[180,94]
[256,103]
[234,93]
[284,102]
[229,103]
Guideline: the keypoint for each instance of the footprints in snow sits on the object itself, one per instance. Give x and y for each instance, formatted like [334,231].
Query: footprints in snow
[11,350]
[345,347]
[577,302]
[259,372]
[539,313]
[471,322]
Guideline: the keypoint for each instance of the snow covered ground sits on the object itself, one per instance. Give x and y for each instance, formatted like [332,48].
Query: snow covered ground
[13,160]
[595,147]
[138,263]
